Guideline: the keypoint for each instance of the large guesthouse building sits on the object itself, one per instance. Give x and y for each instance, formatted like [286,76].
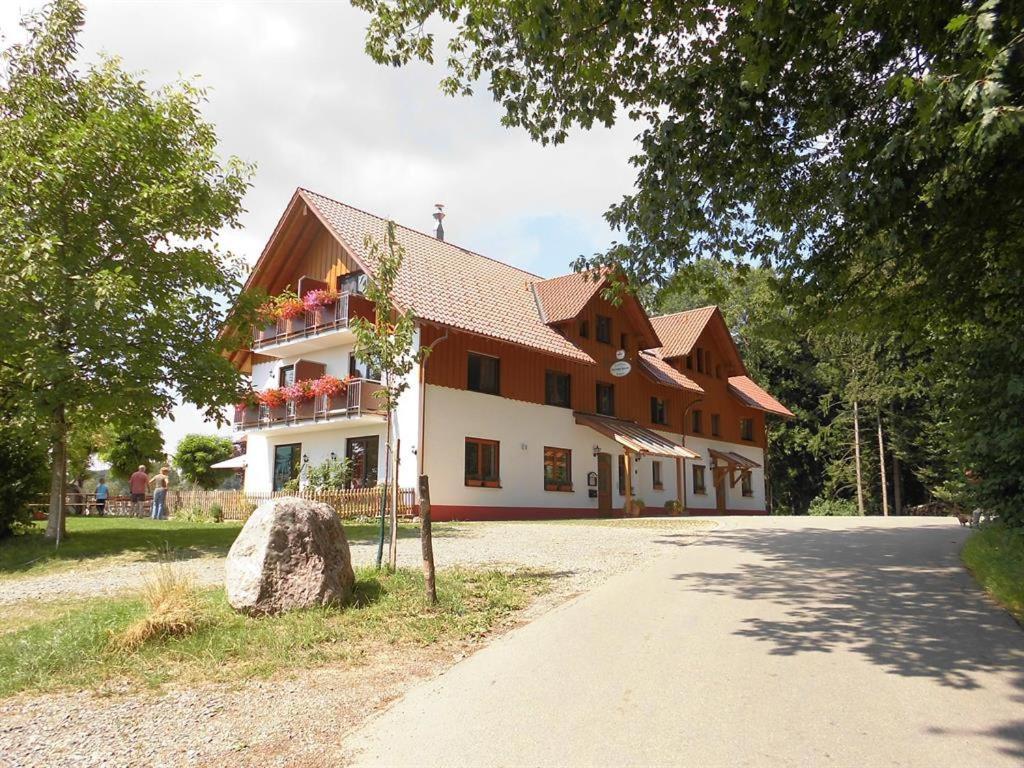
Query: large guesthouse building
[538,398]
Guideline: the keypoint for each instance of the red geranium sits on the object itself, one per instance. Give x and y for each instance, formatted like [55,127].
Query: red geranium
[329,386]
[290,308]
[272,398]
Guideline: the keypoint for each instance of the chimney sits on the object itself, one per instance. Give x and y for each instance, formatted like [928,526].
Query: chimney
[439,216]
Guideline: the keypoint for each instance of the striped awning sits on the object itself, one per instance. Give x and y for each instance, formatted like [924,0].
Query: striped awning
[733,460]
[633,437]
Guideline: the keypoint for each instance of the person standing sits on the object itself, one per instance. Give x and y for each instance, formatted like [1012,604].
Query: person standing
[137,485]
[101,496]
[160,483]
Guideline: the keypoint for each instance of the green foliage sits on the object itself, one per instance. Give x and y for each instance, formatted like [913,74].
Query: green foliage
[196,453]
[328,475]
[826,507]
[111,197]
[871,153]
[995,555]
[387,609]
[385,344]
[23,472]
[135,445]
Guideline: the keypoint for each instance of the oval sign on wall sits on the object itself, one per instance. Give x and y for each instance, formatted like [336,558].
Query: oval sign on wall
[620,368]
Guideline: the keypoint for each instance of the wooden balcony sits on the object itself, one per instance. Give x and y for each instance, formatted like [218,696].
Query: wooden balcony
[316,329]
[357,404]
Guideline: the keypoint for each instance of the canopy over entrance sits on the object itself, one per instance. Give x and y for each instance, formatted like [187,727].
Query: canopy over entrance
[733,463]
[235,462]
[635,438]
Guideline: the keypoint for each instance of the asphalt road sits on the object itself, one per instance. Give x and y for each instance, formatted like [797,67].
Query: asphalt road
[773,642]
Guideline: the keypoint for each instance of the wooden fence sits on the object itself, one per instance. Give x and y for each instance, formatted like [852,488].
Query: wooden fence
[238,505]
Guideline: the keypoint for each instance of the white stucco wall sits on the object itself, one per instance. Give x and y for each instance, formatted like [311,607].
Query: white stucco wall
[316,444]
[734,498]
[523,430]
[335,359]
[407,424]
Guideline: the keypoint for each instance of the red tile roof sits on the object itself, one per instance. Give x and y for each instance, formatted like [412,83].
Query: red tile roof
[679,331]
[752,395]
[666,374]
[449,285]
[631,435]
[563,298]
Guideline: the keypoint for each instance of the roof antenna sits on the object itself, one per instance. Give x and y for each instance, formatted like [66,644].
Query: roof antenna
[439,216]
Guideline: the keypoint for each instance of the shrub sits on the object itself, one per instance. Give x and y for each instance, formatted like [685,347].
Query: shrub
[194,515]
[217,513]
[673,507]
[23,477]
[172,610]
[197,452]
[824,507]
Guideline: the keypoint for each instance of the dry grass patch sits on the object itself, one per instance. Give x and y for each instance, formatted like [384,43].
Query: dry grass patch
[172,609]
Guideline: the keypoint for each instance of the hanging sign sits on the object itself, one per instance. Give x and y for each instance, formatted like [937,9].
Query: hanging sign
[621,368]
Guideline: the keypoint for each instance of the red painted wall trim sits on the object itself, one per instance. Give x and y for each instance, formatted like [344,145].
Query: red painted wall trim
[447,512]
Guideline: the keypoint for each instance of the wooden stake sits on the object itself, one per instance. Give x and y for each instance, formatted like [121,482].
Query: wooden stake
[426,542]
[393,543]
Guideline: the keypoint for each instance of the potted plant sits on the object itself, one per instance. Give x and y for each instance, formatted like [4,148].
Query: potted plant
[274,400]
[326,389]
[247,409]
[319,304]
[674,508]
[290,310]
[267,319]
[636,508]
[300,394]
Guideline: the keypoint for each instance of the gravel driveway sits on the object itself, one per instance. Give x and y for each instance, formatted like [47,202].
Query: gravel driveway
[296,718]
[580,553]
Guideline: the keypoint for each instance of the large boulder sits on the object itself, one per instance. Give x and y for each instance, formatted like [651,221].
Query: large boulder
[291,553]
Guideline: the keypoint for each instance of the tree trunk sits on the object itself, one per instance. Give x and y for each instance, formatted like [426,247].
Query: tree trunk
[426,541]
[384,493]
[55,523]
[393,543]
[881,464]
[897,486]
[856,458]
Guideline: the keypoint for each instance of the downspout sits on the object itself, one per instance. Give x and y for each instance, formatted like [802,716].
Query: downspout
[421,443]
[686,412]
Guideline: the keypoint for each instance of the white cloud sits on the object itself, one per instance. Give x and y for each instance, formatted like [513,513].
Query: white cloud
[292,90]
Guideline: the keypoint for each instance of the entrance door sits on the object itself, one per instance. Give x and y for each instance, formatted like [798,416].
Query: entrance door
[604,483]
[720,489]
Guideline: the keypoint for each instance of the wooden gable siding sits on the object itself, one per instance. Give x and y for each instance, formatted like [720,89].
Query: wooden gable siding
[717,398]
[319,256]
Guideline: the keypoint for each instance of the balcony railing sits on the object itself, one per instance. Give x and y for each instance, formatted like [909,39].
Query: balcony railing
[336,316]
[357,400]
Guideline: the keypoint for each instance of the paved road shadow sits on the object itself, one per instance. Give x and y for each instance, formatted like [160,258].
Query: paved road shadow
[886,594]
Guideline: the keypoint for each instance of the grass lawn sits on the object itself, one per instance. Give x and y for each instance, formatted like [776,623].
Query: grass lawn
[52,646]
[101,541]
[995,555]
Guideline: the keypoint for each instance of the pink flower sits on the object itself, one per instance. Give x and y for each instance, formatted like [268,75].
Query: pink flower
[321,297]
[300,390]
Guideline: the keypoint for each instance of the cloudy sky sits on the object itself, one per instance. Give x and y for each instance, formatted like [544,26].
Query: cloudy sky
[292,90]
